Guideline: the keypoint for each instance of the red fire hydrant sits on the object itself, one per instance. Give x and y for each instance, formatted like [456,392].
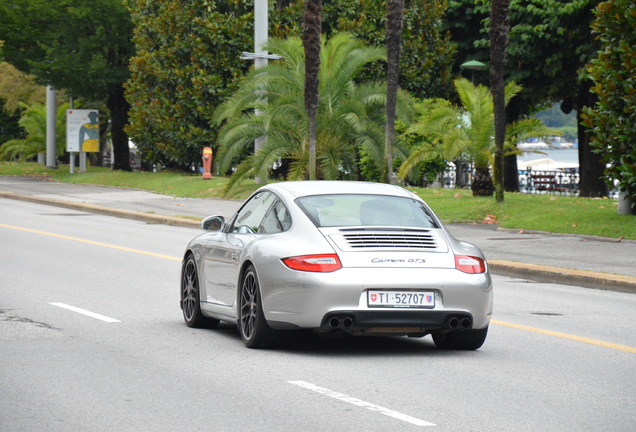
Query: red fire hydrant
[207,163]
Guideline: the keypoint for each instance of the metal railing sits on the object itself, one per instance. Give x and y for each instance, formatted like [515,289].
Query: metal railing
[563,181]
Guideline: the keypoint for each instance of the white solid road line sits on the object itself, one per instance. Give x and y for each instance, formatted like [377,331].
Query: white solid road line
[85,312]
[361,403]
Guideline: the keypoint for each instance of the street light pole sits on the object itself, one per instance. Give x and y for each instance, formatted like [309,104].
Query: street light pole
[461,167]
[472,66]
[260,39]
[260,56]
[260,32]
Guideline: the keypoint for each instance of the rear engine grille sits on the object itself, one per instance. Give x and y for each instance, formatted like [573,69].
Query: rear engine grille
[416,240]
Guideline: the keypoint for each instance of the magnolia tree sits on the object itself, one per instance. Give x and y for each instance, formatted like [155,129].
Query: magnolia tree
[613,117]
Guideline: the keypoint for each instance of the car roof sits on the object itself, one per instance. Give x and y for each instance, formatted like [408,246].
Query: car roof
[326,187]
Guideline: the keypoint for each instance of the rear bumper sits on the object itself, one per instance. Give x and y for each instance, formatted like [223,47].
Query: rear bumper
[392,321]
[311,300]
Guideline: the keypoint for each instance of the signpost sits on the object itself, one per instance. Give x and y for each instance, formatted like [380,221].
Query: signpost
[82,135]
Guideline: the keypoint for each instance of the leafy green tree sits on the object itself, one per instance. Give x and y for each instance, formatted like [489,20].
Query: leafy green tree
[82,46]
[350,115]
[613,118]
[190,50]
[33,121]
[550,44]
[9,124]
[16,87]
[550,47]
[464,21]
[449,131]
[427,51]
[187,62]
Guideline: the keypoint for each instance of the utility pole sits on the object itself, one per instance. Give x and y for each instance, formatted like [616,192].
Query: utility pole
[51,151]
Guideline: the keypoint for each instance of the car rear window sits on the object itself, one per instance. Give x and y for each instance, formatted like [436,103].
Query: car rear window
[366,210]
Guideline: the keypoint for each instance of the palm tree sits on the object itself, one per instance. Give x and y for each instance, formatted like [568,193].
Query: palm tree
[499,28]
[33,121]
[395,14]
[467,131]
[311,43]
[349,116]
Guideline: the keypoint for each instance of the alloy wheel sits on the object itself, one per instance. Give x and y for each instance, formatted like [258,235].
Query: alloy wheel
[249,306]
[189,291]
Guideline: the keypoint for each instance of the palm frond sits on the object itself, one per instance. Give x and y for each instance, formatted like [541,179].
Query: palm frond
[349,115]
[33,120]
[449,132]
[429,151]
[523,129]
[243,172]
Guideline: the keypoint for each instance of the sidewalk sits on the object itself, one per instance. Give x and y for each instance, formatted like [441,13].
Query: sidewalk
[587,261]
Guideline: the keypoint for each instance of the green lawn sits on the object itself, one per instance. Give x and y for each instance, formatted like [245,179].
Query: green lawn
[552,213]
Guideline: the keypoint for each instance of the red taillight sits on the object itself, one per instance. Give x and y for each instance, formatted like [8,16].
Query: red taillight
[470,264]
[314,263]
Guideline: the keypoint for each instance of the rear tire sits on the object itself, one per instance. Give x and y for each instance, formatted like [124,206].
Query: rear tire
[190,299]
[254,330]
[461,340]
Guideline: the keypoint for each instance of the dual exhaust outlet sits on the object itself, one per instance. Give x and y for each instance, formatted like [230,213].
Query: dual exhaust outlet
[345,322]
[340,322]
[457,323]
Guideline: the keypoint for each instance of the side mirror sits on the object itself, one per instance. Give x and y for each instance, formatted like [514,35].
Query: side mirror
[213,223]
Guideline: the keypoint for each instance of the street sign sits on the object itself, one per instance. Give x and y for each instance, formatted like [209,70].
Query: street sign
[82,130]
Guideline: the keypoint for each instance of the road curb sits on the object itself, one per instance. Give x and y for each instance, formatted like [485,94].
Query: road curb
[583,278]
[535,272]
[581,236]
[108,211]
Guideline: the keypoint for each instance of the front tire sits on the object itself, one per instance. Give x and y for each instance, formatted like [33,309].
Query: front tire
[254,330]
[190,298]
[461,340]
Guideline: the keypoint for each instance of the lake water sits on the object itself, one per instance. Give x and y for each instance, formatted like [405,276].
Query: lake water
[559,155]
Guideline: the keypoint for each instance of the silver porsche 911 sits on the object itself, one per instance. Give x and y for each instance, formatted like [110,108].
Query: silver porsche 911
[335,256]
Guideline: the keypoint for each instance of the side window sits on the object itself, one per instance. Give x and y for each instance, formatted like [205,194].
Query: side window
[250,216]
[277,220]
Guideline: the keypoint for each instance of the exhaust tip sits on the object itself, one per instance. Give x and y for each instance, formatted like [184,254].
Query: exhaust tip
[347,322]
[453,323]
[334,323]
[466,324]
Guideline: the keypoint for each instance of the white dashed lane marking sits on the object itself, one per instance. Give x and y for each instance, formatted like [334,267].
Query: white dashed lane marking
[360,403]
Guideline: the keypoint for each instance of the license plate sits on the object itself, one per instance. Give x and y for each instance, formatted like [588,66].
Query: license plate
[401,299]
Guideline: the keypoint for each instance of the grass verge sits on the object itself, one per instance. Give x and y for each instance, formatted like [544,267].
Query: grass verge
[551,213]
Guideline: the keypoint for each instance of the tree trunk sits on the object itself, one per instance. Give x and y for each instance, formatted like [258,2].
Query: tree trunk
[499,27]
[311,43]
[511,173]
[591,169]
[118,107]
[511,167]
[395,14]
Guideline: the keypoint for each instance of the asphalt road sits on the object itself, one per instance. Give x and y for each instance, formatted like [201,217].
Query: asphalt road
[557,357]
[594,262]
